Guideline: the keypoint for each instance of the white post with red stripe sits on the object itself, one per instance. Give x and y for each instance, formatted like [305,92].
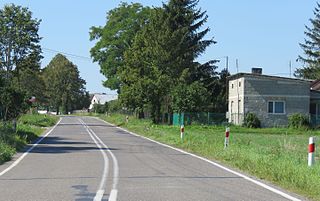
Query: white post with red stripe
[311,149]
[226,140]
[182,132]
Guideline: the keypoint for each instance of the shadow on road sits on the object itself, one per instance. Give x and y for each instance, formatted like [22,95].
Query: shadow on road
[59,145]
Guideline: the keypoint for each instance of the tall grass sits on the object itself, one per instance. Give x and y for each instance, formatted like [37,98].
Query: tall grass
[29,127]
[278,155]
[40,120]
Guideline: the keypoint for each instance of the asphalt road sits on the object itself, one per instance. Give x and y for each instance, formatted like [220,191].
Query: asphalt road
[84,158]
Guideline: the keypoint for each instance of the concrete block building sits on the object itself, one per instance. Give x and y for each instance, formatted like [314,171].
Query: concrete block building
[273,99]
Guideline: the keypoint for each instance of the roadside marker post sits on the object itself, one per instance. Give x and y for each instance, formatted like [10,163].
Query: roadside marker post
[226,140]
[311,150]
[182,132]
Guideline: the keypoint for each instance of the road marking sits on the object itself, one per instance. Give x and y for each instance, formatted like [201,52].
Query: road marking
[285,195]
[103,182]
[114,191]
[113,195]
[99,195]
[28,151]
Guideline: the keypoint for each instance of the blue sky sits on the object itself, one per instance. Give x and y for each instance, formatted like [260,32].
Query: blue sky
[259,33]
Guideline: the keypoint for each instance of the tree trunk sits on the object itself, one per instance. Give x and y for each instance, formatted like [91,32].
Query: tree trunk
[57,110]
[141,114]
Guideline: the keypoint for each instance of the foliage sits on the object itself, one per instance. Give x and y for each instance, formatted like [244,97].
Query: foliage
[83,101]
[64,85]
[19,42]
[189,98]
[311,48]
[100,108]
[163,56]
[251,121]
[114,106]
[115,38]
[20,55]
[298,120]
[218,89]
[11,102]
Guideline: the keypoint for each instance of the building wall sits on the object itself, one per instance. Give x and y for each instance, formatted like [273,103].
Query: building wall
[236,101]
[259,90]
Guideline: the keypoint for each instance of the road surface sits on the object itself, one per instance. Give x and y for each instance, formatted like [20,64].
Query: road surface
[84,158]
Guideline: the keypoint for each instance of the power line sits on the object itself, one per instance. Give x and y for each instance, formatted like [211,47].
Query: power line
[66,54]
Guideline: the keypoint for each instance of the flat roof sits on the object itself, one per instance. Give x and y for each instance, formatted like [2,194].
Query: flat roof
[239,75]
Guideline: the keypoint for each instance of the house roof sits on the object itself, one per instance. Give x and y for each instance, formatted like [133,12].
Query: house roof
[103,98]
[315,85]
[239,75]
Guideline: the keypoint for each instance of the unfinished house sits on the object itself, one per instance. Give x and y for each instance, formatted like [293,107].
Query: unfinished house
[271,98]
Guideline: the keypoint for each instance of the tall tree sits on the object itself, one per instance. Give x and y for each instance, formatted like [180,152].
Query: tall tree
[20,53]
[19,41]
[115,37]
[63,83]
[311,48]
[163,55]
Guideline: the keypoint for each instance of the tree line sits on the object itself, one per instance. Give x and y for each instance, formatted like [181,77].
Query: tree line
[149,55]
[58,85]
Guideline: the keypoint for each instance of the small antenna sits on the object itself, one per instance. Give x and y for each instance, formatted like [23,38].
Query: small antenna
[290,66]
[237,65]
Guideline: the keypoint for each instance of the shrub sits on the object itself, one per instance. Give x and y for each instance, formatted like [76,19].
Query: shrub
[298,120]
[251,121]
[6,152]
[100,108]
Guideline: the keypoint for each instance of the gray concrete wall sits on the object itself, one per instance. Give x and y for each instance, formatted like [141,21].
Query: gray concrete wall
[259,90]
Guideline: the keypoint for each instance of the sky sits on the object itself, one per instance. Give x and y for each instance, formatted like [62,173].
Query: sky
[256,33]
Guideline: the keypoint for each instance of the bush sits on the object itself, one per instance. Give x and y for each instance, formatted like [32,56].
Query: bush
[100,108]
[6,152]
[298,120]
[251,121]
[114,106]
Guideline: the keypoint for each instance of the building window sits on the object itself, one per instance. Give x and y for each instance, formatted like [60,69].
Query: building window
[276,107]
[231,86]
[239,84]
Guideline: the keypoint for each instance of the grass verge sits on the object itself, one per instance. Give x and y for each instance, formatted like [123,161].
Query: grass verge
[29,127]
[278,155]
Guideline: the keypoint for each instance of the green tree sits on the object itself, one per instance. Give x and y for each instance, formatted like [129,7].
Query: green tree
[218,90]
[83,101]
[64,85]
[20,55]
[189,98]
[311,47]
[19,41]
[163,56]
[115,38]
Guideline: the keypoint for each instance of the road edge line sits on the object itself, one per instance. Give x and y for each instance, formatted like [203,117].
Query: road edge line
[274,190]
[16,162]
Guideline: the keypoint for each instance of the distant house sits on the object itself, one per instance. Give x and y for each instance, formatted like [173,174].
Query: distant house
[102,98]
[273,99]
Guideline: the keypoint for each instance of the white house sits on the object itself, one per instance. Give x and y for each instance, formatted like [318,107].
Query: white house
[102,98]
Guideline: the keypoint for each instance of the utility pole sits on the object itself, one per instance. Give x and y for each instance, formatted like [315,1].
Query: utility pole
[237,65]
[227,63]
[290,68]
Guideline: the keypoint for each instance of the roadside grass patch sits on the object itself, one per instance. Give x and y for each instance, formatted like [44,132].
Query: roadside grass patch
[29,127]
[40,120]
[278,155]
